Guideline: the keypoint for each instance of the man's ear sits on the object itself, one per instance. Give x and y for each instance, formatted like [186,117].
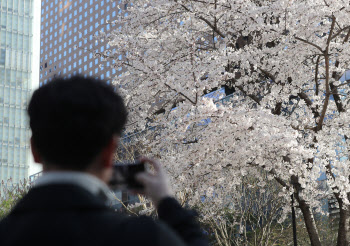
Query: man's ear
[107,155]
[36,155]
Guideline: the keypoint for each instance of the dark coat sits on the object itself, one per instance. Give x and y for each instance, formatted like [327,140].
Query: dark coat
[69,215]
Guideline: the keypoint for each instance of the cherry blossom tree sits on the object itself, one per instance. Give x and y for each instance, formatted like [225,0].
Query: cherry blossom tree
[283,61]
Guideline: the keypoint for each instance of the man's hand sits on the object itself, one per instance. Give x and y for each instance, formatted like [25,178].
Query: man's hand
[156,185]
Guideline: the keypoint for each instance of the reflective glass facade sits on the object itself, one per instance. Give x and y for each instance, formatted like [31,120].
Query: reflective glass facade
[16,18]
[67,42]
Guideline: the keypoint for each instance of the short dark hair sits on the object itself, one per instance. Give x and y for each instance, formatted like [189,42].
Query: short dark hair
[73,119]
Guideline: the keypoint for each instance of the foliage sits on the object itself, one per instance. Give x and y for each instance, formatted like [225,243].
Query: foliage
[282,59]
[10,194]
[255,219]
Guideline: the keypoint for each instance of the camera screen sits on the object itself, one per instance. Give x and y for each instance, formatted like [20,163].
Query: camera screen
[124,175]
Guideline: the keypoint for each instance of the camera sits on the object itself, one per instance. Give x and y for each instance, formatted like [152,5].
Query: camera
[124,175]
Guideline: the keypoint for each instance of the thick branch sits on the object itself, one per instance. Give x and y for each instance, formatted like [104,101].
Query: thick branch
[326,100]
[316,74]
[331,31]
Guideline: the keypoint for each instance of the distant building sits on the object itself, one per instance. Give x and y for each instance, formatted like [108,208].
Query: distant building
[16,51]
[67,42]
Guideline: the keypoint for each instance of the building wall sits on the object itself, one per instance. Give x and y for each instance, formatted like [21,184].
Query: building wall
[16,36]
[67,40]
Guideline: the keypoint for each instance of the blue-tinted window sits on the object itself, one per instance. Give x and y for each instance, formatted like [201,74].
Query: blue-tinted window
[96,70]
[85,67]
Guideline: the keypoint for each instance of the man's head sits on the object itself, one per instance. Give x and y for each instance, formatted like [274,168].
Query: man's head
[73,121]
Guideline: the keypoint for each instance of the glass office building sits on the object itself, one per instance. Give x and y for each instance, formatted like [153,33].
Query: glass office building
[67,43]
[16,18]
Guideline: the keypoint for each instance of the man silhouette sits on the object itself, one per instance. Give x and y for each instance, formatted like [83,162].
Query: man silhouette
[76,124]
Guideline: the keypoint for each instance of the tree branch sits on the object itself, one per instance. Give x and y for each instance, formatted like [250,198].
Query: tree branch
[307,42]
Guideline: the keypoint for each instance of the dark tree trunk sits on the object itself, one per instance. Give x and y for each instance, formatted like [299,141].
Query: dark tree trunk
[309,222]
[344,225]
